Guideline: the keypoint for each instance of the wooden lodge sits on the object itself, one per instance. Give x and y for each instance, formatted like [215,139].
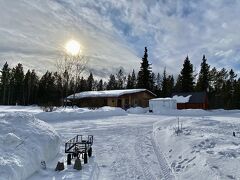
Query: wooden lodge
[115,98]
[196,100]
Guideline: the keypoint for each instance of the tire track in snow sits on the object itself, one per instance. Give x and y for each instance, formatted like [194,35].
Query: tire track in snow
[165,169]
[124,165]
[147,174]
[143,147]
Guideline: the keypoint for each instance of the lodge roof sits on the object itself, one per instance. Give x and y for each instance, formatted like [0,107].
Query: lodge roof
[194,97]
[107,93]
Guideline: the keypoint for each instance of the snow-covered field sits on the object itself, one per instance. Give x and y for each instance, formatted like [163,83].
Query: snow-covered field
[142,145]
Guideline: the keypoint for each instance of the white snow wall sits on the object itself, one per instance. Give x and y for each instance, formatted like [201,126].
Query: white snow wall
[24,142]
[160,104]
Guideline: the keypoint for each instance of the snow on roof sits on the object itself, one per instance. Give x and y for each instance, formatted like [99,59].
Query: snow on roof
[182,99]
[162,99]
[108,93]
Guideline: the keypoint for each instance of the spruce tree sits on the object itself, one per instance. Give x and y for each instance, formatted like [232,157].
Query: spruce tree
[90,82]
[47,93]
[133,80]
[164,84]
[18,84]
[144,75]
[153,84]
[5,82]
[218,89]
[167,85]
[27,87]
[112,84]
[11,94]
[159,81]
[100,85]
[204,76]
[59,86]
[129,82]
[34,87]
[187,76]
[83,85]
[178,85]
[120,79]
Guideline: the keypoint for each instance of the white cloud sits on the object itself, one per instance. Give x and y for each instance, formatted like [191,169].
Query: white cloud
[113,33]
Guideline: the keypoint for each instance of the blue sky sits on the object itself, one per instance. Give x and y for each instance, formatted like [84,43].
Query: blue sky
[113,34]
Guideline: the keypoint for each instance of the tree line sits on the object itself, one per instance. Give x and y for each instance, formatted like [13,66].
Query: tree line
[17,87]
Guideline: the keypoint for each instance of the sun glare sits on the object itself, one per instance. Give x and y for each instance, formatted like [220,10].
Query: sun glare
[72,47]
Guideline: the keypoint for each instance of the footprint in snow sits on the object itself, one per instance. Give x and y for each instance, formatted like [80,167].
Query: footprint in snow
[230,176]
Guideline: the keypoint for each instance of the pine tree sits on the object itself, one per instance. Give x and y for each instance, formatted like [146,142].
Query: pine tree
[83,85]
[90,82]
[11,94]
[134,80]
[158,87]
[204,76]
[230,87]
[153,84]
[72,86]
[59,86]
[159,81]
[34,87]
[167,85]
[236,95]
[217,88]
[232,77]
[18,84]
[112,84]
[170,85]
[27,87]
[129,82]
[178,85]
[144,75]
[120,79]
[5,82]
[100,85]
[47,93]
[164,84]
[187,76]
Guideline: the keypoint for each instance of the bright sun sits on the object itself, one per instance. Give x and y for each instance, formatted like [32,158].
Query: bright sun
[72,47]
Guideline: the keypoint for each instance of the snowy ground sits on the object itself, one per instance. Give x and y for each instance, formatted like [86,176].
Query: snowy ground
[145,146]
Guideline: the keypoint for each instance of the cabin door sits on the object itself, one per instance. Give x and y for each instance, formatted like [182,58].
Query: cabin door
[119,103]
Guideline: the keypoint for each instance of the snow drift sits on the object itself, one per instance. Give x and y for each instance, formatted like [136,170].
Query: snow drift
[137,110]
[24,142]
[65,114]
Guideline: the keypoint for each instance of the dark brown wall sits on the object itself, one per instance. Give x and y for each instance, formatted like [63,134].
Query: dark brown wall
[192,106]
[91,102]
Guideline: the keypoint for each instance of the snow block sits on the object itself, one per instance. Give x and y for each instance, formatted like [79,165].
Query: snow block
[24,143]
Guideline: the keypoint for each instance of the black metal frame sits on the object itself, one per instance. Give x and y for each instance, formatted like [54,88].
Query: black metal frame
[77,145]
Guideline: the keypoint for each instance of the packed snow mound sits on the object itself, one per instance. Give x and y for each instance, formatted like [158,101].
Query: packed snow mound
[24,142]
[137,110]
[66,114]
[182,99]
